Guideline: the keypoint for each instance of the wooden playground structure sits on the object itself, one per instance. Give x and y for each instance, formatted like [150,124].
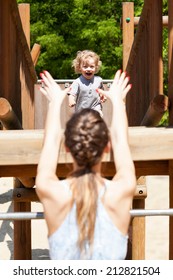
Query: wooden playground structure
[22,112]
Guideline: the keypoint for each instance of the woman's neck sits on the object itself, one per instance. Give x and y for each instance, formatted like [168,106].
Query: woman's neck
[96,168]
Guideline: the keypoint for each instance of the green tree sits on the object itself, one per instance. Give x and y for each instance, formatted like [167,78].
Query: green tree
[64,27]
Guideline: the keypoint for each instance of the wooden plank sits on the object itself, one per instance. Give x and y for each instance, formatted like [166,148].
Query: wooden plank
[164,21]
[153,167]
[26,78]
[24,146]
[155,42]
[170,206]
[22,230]
[143,168]
[139,34]
[35,52]
[170,60]
[128,31]
[24,11]
[170,95]
[7,116]
[28,195]
[41,103]
[158,106]
[138,232]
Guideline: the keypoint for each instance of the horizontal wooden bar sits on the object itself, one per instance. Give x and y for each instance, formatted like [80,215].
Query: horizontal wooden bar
[7,116]
[23,147]
[164,21]
[29,195]
[143,168]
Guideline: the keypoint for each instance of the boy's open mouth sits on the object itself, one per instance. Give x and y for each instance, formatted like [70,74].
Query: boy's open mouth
[88,73]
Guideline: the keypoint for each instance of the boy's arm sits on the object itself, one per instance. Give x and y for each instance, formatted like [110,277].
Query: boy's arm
[102,97]
[71,100]
[72,93]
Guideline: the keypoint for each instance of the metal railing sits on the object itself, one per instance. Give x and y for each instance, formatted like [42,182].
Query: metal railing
[40,215]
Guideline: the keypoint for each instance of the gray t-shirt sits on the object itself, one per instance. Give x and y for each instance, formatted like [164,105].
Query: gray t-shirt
[85,93]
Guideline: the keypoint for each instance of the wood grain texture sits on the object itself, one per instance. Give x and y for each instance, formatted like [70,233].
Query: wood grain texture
[24,146]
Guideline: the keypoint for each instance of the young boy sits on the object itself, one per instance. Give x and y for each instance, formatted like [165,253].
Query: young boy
[83,92]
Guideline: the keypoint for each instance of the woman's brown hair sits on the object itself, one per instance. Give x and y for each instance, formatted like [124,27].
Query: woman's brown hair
[86,136]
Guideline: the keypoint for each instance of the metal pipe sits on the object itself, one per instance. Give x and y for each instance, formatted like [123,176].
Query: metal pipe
[22,216]
[64,81]
[40,215]
[151,212]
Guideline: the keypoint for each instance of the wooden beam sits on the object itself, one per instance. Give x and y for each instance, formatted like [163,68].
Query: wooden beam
[128,31]
[164,21]
[23,147]
[158,106]
[138,35]
[138,232]
[22,230]
[143,168]
[170,60]
[171,205]
[30,195]
[7,116]
[35,52]
[137,19]
[24,11]
[155,42]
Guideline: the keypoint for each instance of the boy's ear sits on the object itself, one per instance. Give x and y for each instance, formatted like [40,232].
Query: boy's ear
[108,147]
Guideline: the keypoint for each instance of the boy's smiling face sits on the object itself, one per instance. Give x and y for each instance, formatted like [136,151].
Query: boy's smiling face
[88,68]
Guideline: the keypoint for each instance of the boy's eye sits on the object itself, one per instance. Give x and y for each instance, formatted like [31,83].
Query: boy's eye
[84,66]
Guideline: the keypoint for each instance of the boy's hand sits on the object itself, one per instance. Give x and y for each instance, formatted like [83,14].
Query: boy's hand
[71,101]
[119,87]
[102,98]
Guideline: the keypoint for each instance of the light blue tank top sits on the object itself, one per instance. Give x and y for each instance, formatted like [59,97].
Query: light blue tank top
[109,242]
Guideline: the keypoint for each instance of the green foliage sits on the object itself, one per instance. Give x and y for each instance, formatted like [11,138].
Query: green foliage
[64,27]
[165,119]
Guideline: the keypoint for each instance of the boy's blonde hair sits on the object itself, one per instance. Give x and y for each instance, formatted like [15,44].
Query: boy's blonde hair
[83,56]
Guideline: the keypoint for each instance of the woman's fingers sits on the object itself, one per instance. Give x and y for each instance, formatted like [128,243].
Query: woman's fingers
[119,86]
[51,89]
[66,90]
[102,92]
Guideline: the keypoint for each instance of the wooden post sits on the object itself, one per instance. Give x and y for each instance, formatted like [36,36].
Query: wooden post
[170,60]
[170,95]
[7,115]
[22,230]
[164,21]
[24,11]
[138,227]
[158,106]
[155,69]
[11,122]
[35,52]
[138,232]
[128,30]
[170,206]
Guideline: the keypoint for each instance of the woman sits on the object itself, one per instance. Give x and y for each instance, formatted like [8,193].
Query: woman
[87,215]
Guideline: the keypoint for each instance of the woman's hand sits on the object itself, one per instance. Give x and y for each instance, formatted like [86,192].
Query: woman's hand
[51,89]
[119,87]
